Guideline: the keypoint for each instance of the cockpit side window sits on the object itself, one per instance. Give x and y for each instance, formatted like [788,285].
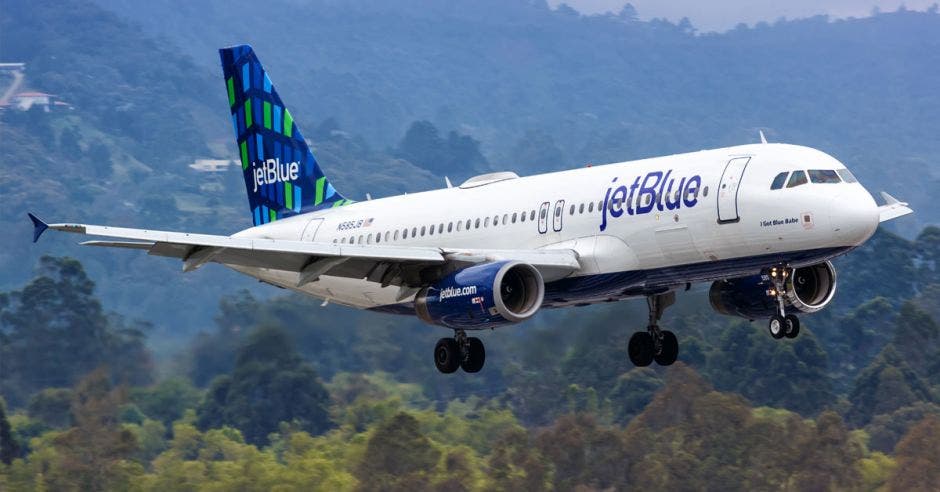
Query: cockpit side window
[779,181]
[796,179]
[847,175]
[823,176]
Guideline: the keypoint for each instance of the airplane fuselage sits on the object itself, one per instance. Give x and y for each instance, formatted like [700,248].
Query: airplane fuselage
[638,227]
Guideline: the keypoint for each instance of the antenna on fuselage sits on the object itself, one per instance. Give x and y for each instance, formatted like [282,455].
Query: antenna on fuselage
[447,182]
[762,139]
[368,196]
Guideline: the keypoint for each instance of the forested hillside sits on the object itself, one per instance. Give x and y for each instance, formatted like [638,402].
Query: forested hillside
[275,395]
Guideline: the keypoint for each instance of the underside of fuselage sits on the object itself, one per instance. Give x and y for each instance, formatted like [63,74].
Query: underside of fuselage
[572,291]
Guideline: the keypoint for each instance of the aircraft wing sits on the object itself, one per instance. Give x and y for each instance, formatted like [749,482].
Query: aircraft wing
[892,209]
[389,265]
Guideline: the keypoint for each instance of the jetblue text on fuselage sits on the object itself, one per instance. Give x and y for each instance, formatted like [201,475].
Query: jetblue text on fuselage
[272,171]
[656,190]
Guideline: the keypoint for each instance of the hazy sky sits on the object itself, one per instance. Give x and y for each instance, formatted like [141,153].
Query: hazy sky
[719,15]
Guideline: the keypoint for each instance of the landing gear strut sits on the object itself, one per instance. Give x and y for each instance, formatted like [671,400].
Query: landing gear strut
[654,344]
[782,324]
[460,351]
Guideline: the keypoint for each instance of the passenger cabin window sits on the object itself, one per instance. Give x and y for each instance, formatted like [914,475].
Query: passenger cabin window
[476,224]
[779,181]
[581,208]
[823,176]
[796,179]
[532,215]
[523,217]
[513,217]
[590,207]
[847,175]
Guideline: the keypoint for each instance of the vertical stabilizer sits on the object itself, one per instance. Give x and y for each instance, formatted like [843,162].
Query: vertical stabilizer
[281,175]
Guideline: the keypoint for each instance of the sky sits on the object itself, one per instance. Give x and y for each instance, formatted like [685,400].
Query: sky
[721,15]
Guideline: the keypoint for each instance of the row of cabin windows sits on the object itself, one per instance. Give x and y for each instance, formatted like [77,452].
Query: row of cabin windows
[458,226]
[821,176]
[475,224]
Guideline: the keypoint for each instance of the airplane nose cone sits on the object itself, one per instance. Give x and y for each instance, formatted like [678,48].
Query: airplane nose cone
[853,216]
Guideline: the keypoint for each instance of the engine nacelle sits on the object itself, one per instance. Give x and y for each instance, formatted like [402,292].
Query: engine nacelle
[482,296]
[807,290]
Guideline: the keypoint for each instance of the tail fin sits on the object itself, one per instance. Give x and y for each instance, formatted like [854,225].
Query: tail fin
[281,174]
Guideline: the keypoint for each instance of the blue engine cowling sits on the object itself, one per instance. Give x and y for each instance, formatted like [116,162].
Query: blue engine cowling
[806,290]
[482,296]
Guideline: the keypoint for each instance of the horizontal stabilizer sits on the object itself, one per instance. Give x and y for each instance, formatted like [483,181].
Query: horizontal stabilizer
[892,209]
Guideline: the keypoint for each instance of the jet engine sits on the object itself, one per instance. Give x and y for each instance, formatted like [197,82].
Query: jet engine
[806,290]
[482,296]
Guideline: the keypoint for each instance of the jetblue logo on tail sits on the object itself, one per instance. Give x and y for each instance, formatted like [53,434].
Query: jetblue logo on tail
[272,171]
[650,192]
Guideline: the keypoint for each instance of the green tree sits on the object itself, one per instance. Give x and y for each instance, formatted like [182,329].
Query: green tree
[789,374]
[167,400]
[270,384]
[9,448]
[886,385]
[52,407]
[56,331]
[398,456]
[918,457]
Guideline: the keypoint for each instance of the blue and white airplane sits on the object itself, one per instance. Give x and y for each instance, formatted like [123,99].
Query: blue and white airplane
[760,222]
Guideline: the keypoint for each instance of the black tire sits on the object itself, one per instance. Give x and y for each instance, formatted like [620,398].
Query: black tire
[476,358]
[777,326]
[447,355]
[670,349]
[640,349]
[793,326]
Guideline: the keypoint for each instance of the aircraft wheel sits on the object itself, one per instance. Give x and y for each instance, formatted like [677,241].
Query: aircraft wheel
[669,351]
[640,349]
[447,355]
[793,325]
[477,356]
[777,326]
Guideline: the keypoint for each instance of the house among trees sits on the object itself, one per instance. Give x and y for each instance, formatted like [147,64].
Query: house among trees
[25,101]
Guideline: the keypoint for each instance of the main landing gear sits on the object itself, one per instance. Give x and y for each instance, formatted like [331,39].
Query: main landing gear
[654,344]
[781,324]
[460,351]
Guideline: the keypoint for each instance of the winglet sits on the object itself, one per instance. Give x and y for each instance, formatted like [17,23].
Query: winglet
[39,226]
[890,200]
[893,208]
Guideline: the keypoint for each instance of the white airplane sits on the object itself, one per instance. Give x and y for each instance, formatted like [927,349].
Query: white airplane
[760,222]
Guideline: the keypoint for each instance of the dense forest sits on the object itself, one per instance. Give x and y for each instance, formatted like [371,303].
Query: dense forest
[117,372]
[276,396]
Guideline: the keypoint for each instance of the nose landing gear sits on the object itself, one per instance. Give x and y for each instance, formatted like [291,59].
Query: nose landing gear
[654,344]
[781,324]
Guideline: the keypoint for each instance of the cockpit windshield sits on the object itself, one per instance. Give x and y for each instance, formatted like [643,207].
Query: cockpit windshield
[847,175]
[823,176]
[796,179]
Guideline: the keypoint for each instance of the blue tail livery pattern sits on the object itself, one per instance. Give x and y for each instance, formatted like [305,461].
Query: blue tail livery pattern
[281,175]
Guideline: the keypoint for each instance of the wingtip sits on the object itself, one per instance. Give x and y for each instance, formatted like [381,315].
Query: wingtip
[38,226]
